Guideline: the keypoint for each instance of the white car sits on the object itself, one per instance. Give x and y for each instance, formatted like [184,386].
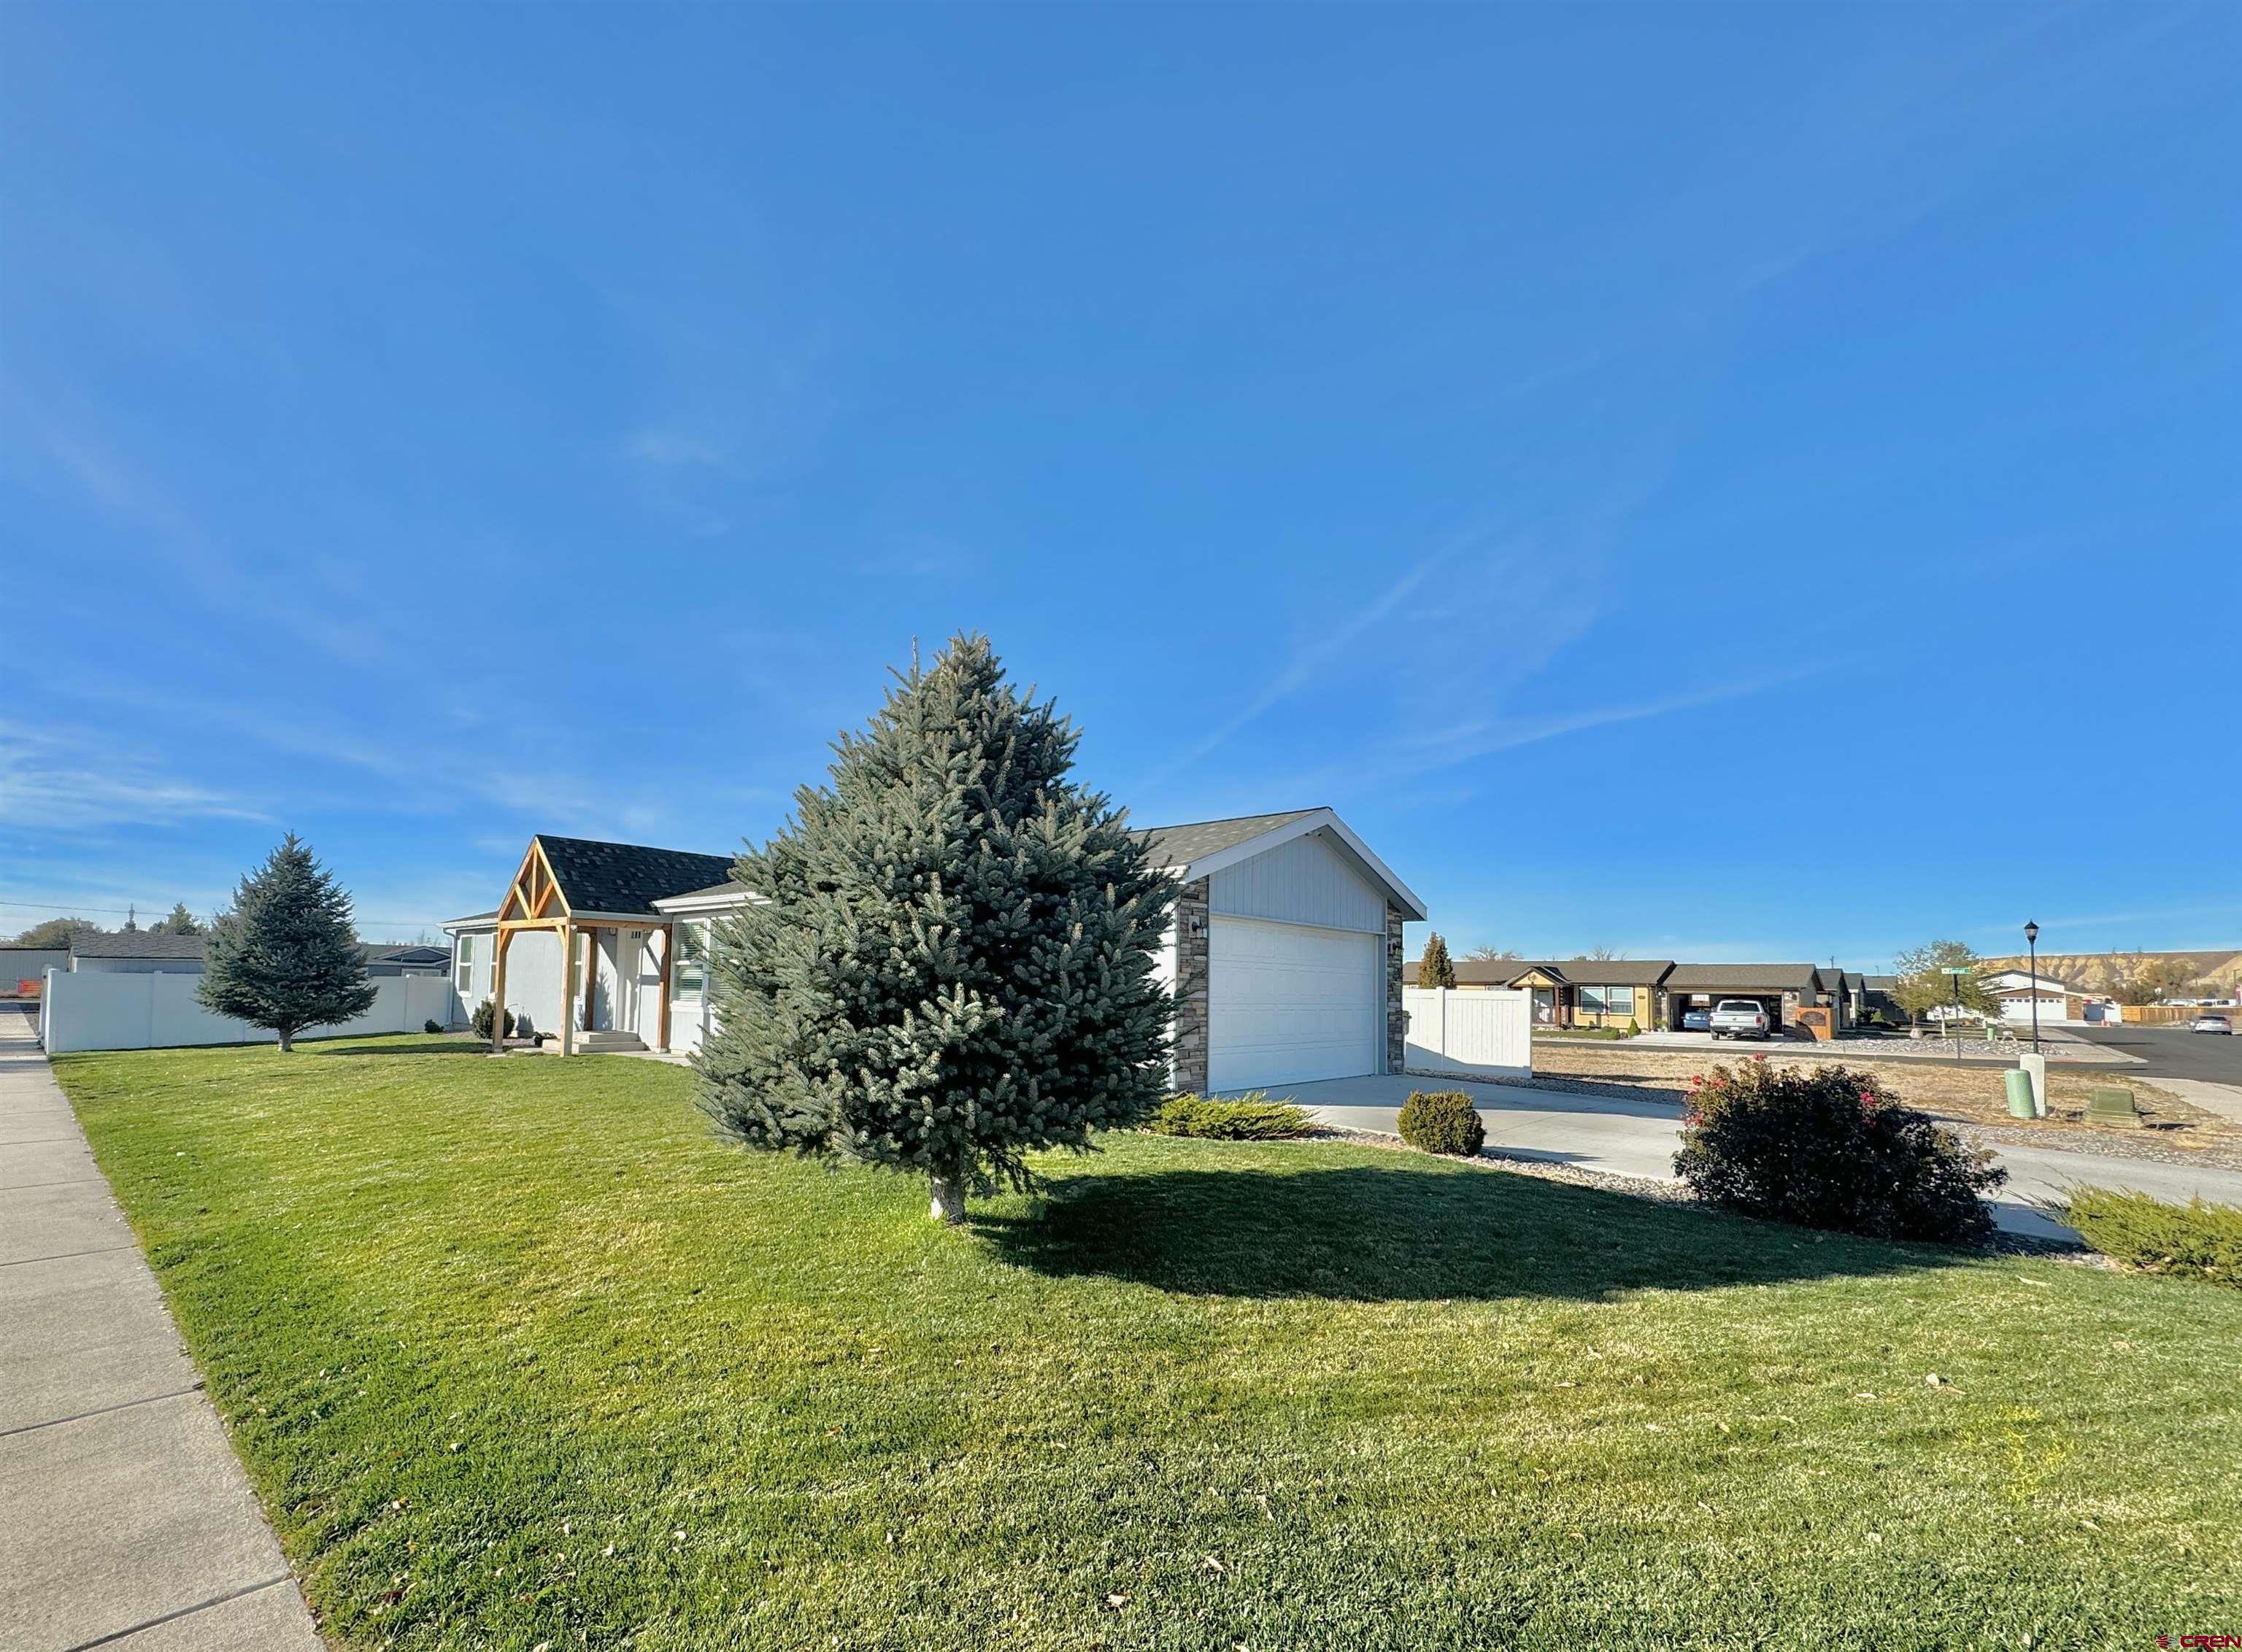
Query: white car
[2213,1023]
[1740,1018]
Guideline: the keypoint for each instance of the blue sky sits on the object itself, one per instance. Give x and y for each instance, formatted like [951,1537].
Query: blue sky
[1706,482]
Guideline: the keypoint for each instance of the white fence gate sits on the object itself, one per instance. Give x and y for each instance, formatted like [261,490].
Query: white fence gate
[1473,1035]
[82,1010]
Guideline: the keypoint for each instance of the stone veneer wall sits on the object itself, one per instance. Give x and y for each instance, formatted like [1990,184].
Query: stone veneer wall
[1396,1018]
[1191,920]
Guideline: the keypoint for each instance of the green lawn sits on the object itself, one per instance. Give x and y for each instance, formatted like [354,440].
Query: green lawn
[518,1354]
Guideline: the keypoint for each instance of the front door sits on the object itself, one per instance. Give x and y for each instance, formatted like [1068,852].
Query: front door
[630,961]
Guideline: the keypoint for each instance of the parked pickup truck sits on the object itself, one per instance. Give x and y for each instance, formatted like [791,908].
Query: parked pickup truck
[1740,1018]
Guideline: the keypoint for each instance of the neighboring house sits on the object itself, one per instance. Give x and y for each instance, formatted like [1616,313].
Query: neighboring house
[413,958]
[138,952]
[1782,990]
[143,952]
[2059,1003]
[1284,955]
[1584,992]
[1658,992]
[22,968]
[582,946]
[1880,997]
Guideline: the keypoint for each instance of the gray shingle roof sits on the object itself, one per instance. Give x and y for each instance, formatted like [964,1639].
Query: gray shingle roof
[1588,972]
[1181,845]
[404,952]
[137,944]
[1744,977]
[1600,972]
[1472,973]
[625,877]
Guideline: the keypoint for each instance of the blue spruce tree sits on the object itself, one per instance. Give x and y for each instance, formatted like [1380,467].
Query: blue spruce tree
[286,957]
[951,964]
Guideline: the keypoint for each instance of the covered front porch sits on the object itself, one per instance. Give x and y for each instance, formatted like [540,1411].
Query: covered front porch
[598,946]
[609,972]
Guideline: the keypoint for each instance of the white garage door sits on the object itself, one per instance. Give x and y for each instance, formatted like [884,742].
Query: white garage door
[1287,1003]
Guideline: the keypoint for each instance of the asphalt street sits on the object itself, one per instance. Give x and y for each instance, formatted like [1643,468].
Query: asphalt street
[2174,1052]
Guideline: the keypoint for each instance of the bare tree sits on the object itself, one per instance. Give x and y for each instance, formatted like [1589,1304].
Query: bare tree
[1491,955]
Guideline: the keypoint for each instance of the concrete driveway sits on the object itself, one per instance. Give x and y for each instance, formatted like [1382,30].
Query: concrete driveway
[1622,1136]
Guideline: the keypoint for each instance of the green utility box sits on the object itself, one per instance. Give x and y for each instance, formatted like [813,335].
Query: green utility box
[2113,1104]
[2020,1094]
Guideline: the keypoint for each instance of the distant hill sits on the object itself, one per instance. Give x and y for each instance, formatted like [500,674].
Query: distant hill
[2105,971]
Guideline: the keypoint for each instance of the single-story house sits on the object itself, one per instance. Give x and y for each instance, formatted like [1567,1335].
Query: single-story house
[2059,1003]
[144,952]
[1582,993]
[1880,997]
[22,968]
[1782,990]
[581,945]
[1658,992]
[1285,953]
[138,952]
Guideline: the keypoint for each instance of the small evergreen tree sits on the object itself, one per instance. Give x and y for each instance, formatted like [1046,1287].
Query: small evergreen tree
[1435,969]
[953,962]
[181,921]
[286,957]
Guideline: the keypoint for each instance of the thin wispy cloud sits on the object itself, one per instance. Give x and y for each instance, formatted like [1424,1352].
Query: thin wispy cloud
[214,572]
[71,780]
[1483,737]
[1309,661]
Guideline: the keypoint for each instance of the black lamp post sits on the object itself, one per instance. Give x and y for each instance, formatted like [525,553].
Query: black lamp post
[2032,940]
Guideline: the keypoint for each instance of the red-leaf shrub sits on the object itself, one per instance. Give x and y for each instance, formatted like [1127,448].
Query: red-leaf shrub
[1825,1148]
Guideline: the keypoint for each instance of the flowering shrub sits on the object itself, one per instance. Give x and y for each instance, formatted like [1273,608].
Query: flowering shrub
[1825,1148]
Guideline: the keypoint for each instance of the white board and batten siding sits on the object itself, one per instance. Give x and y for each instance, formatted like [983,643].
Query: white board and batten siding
[1296,963]
[1473,1035]
[99,1010]
[1302,880]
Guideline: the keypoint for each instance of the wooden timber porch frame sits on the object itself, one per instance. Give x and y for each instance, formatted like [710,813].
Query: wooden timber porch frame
[534,901]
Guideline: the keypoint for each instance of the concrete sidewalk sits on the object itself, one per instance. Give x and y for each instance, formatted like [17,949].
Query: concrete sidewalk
[2226,1101]
[1623,1136]
[125,1520]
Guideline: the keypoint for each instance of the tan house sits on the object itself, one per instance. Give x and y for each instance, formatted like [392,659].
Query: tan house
[1575,992]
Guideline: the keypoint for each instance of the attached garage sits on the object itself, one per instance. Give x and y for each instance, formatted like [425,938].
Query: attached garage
[1286,954]
[1287,1004]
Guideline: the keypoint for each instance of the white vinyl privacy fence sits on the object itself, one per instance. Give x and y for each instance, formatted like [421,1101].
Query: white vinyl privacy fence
[1473,1035]
[81,1009]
